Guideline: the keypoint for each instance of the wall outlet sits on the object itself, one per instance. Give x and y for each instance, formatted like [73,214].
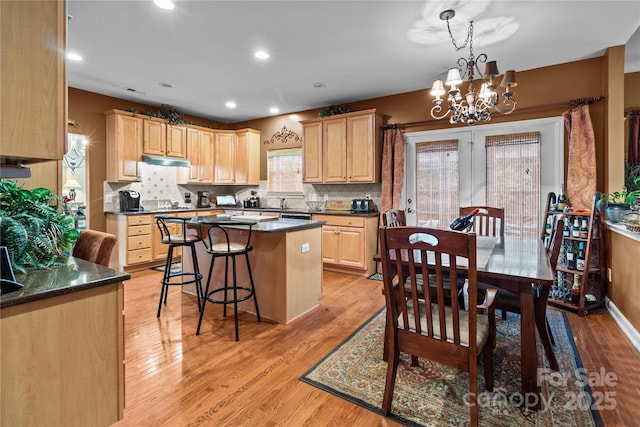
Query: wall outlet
[305,247]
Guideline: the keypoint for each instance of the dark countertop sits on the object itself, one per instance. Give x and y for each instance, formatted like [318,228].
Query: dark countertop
[279,225]
[73,276]
[239,209]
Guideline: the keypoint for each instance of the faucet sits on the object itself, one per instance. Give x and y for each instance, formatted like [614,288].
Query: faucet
[283,203]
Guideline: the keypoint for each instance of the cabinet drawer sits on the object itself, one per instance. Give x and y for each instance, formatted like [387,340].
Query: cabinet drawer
[138,230]
[138,220]
[138,256]
[341,221]
[138,242]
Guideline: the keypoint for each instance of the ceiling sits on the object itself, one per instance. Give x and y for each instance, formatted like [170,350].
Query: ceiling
[358,49]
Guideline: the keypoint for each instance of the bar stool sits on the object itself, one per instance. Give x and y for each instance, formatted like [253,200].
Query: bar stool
[180,239]
[221,245]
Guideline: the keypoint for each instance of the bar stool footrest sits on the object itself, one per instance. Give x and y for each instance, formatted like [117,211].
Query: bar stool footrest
[249,294]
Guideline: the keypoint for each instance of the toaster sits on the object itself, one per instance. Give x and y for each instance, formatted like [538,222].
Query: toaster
[362,206]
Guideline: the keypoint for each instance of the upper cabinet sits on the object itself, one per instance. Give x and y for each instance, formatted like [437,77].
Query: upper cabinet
[124,140]
[154,139]
[33,104]
[200,149]
[176,141]
[247,169]
[344,148]
[224,157]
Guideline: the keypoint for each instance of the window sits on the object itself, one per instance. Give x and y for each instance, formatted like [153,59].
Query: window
[511,165]
[284,170]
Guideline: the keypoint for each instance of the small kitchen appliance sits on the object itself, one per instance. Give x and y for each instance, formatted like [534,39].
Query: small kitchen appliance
[362,206]
[226,201]
[203,200]
[251,202]
[129,201]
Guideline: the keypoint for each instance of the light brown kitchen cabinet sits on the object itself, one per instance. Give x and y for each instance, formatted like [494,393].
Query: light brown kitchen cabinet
[33,82]
[312,151]
[154,136]
[176,141]
[345,148]
[349,243]
[124,140]
[247,162]
[224,157]
[200,146]
[133,239]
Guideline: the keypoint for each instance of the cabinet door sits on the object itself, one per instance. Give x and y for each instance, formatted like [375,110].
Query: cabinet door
[224,158]
[335,150]
[247,154]
[124,140]
[206,157]
[176,141]
[352,245]
[330,237]
[154,138]
[360,149]
[194,149]
[312,152]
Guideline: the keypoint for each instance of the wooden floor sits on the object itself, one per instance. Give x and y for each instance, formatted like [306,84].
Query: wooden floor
[175,378]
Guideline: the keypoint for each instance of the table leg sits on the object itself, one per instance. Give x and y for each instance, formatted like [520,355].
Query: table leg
[541,324]
[529,361]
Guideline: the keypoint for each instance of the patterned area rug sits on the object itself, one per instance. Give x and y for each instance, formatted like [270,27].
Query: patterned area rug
[176,267]
[433,395]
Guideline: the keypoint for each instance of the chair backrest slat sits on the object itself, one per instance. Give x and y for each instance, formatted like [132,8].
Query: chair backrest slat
[489,221]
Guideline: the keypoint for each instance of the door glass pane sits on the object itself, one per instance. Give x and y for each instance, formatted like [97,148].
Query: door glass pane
[437,182]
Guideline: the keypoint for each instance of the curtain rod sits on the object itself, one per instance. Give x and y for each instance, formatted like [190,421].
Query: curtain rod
[632,113]
[572,102]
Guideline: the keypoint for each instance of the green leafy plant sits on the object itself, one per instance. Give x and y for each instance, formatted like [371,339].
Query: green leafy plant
[334,109]
[623,197]
[171,114]
[35,233]
[631,176]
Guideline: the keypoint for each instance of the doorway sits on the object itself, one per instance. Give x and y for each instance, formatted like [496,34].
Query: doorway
[74,178]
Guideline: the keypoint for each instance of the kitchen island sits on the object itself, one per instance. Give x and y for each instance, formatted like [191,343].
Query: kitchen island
[62,347]
[286,262]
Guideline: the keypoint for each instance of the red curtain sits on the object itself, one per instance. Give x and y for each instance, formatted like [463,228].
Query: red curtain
[581,174]
[392,169]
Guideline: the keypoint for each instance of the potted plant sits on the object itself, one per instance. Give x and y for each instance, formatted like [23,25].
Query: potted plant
[619,203]
[35,233]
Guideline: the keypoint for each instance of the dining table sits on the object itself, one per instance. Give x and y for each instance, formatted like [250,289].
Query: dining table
[519,265]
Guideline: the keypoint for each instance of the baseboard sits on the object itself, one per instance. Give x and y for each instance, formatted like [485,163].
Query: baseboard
[624,324]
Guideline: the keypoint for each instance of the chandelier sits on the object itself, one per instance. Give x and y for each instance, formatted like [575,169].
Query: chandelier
[474,106]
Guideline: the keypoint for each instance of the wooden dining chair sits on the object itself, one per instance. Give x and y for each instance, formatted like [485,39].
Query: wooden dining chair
[94,246]
[489,221]
[424,326]
[394,218]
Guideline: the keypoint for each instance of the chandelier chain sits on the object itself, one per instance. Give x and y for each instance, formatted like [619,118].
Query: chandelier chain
[467,40]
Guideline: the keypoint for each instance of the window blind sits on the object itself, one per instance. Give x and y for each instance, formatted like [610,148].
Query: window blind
[284,170]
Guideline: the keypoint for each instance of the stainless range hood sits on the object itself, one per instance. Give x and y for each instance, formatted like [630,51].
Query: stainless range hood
[165,161]
[14,171]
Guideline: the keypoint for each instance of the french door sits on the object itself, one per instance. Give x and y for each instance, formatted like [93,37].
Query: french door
[511,165]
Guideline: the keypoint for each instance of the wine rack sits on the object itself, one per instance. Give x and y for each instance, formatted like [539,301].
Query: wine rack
[591,278]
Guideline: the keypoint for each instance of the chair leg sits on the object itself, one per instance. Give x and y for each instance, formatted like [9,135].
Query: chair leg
[226,274]
[165,279]
[197,276]
[390,383]
[235,298]
[253,289]
[205,296]
[545,336]
[504,314]
[487,354]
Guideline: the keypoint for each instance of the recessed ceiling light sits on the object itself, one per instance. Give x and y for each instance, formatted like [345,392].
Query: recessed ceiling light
[261,54]
[274,110]
[230,104]
[164,4]
[319,85]
[73,57]
[165,84]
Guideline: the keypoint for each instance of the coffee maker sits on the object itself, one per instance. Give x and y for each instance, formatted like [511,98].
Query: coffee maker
[203,200]
[129,201]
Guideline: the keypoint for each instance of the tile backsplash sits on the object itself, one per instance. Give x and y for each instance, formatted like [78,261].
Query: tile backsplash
[159,185]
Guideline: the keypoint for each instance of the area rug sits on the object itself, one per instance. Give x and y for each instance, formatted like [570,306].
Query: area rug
[176,268]
[375,276]
[433,395]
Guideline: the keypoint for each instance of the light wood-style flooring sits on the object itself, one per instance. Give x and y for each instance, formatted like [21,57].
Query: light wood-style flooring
[175,378]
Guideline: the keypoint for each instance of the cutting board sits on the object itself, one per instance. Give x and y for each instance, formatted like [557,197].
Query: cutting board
[337,205]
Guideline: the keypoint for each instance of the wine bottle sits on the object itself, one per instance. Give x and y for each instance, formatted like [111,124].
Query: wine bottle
[584,229]
[464,222]
[580,258]
[549,225]
[575,290]
[575,231]
[571,256]
[562,200]
[566,230]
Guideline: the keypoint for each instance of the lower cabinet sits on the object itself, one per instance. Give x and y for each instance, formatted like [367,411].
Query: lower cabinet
[349,243]
[134,244]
